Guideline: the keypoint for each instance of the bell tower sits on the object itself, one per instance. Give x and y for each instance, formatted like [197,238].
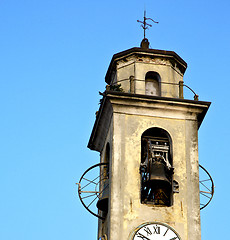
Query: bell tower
[146,133]
[147,136]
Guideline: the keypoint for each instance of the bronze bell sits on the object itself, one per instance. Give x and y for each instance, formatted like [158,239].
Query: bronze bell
[103,201]
[159,182]
[159,172]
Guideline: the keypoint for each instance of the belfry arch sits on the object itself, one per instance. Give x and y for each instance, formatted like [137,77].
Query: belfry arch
[156,167]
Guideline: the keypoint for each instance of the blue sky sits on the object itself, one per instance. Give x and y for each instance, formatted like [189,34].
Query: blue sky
[53,59]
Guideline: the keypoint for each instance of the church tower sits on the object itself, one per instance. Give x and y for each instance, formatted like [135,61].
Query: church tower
[147,137]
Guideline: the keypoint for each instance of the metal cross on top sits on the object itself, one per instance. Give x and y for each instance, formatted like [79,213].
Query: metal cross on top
[145,25]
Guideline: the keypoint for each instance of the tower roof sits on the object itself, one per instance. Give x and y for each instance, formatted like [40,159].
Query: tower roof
[153,53]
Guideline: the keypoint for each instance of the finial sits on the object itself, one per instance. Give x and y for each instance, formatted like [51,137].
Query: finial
[145,25]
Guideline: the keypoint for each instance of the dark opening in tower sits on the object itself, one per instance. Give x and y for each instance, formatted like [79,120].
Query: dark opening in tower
[156,167]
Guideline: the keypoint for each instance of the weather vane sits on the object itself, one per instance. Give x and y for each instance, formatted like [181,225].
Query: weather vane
[145,25]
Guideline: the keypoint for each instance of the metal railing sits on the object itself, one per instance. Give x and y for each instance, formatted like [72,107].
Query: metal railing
[132,81]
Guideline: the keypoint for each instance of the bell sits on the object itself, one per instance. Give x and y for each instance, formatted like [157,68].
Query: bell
[159,173]
[103,201]
[160,183]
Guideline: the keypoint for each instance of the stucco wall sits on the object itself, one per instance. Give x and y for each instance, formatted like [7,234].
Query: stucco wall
[170,75]
[127,212]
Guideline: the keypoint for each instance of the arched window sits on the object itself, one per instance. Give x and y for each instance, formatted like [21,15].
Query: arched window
[107,159]
[152,84]
[156,167]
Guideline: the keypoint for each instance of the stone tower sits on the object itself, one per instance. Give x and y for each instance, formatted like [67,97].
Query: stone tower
[147,133]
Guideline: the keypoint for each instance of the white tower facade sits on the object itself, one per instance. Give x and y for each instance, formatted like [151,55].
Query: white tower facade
[147,133]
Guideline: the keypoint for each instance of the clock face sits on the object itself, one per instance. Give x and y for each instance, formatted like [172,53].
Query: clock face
[155,231]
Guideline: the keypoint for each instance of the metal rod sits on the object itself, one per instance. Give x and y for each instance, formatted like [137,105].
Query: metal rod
[88,196]
[205,195]
[205,186]
[206,192]
[92,201]
[89,192]
[205,180]
[91,181]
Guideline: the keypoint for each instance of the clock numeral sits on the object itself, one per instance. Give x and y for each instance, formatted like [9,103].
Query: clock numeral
[142,236]
[148,231]
[156,230]
[166,232]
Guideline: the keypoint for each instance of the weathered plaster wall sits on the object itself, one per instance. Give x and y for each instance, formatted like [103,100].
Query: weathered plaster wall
[126,210]
[138,67]
[103,225]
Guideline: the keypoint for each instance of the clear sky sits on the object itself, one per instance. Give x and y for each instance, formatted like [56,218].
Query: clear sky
[53,58]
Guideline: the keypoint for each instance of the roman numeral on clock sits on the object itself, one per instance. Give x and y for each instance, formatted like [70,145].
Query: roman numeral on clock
[156,230]
[166,232]
[142,236]
[148,231]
